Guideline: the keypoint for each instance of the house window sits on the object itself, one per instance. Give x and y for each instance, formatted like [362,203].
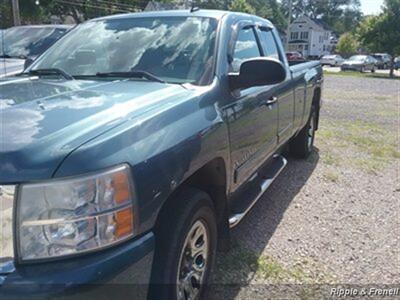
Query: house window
[304,35]
[306,47]
[294,35]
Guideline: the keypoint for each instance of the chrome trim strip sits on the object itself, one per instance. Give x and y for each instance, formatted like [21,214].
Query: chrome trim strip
[7,193]
[235,219]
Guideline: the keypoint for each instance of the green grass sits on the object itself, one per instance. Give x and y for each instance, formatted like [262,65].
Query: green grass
[371,146]
[329,159]
[359,74]
[240,265]
[344,95]
[268,268]
[332,176]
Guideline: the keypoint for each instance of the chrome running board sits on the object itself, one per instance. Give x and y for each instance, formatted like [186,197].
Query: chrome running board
[280,163]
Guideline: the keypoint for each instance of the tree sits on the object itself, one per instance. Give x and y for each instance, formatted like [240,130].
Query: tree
[341,15]
[242,6]
[347,44]
[39,11]
[212,4]
[271,10]
[6,17]
[381,33]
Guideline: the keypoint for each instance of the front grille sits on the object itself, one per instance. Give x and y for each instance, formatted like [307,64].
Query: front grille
[7,193]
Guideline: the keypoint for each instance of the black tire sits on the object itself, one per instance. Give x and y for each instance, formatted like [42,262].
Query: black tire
[302,145]
[189,207]
[373,70]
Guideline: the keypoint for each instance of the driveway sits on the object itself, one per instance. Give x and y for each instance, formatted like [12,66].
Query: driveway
[333,218]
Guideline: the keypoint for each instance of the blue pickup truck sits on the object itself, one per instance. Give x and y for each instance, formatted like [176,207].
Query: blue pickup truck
[131,147]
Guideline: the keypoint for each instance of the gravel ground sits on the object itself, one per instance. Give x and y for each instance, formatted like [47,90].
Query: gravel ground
[333,218]
[337,70]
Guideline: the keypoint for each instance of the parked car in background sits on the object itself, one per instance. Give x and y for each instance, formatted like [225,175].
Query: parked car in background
[397,63]
[22,44]
[359,63]
[294,56]
[384,60]
[332,60]
[128,163]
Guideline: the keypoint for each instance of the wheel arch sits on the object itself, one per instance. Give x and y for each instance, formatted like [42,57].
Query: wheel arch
[212,179]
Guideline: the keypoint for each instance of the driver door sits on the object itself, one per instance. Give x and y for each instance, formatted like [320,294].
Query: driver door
[252,122]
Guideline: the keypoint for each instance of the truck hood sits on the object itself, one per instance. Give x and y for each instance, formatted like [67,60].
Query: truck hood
[42,121]
[11,66]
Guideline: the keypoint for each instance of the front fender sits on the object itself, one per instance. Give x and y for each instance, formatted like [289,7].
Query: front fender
[163,150]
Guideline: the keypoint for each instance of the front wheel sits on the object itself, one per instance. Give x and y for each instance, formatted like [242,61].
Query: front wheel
[302,145]
[186,243]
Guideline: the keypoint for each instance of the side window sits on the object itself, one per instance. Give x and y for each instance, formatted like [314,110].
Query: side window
[268,43]
[246,47]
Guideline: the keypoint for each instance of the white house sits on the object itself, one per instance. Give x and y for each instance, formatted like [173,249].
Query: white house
[311,37]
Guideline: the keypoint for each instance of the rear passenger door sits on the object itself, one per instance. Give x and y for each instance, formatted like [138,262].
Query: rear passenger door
[282,92]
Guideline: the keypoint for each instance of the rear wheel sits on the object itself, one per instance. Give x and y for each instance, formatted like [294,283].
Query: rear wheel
[302,145]
[186,243]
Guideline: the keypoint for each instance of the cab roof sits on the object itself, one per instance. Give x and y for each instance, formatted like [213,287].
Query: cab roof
[205,13]
[217,14]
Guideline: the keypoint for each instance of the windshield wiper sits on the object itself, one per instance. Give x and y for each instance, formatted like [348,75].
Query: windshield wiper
[13,56]
[52,71]
[132,74]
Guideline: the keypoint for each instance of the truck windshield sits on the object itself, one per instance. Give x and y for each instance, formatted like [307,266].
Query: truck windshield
[174,49]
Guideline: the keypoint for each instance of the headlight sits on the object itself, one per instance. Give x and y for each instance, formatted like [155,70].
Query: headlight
[71,216]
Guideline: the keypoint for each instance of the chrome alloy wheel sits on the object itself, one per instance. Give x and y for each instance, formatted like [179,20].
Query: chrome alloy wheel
[310,133]
[193,262]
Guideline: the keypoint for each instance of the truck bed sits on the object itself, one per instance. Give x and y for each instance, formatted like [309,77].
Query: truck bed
[296,66]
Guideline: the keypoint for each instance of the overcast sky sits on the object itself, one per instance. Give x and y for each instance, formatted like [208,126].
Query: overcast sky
[371,7]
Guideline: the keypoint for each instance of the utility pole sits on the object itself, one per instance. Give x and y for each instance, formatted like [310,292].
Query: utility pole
[15,9]
[288,26]
[226,4]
